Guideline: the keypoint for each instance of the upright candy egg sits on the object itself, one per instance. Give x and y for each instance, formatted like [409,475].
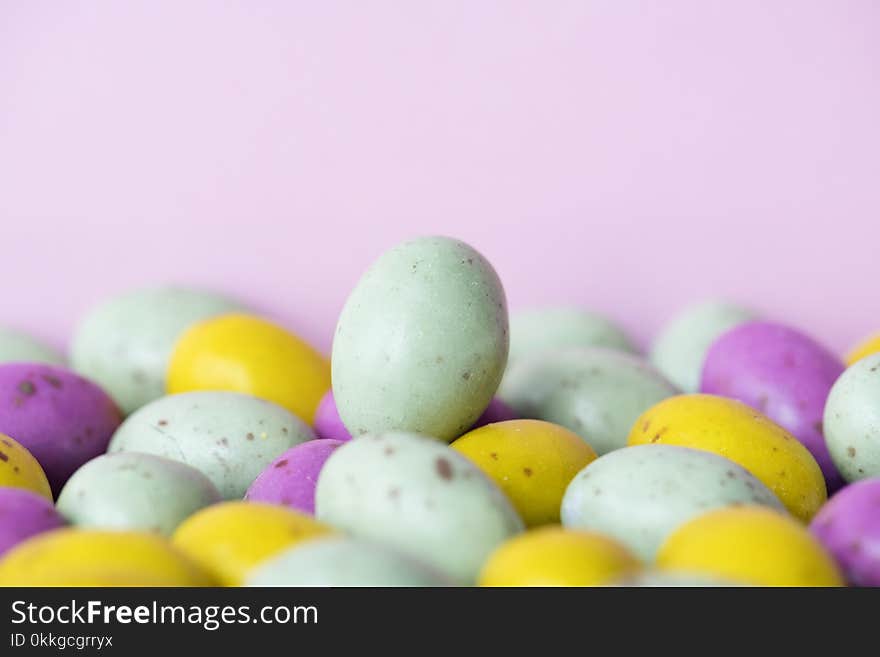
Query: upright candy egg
[422,341]
[418,496]
[227,436]
[868,346]
[742,434]
[781,372]
[680,348]
[124,343]
[597,393]
[134,491]
[23,514]
[852,420]
[640,494]
[19,469]
[61,418]
[550,329]
[18,347]
[248,354]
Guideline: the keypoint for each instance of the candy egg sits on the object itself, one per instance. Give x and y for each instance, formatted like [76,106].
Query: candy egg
[328,424]
[124,343]
[752,545]
[597,393]
[640,494]
[870,345]
[422,341]
[343,561]
[731,429]
[19,469]
[80,557]
[553,556]
[852,420]
[229,437]
[248,354]
[550,329]
[781,372]
[17,347]
[23,514]
[419,496]
[849,528]
[229,539]
[61,418]
[135,491]
[496,411]
[531,461]
[680,348]
[290,479]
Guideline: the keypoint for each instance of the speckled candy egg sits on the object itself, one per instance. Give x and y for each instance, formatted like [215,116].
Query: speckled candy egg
[852,420]
[422,341]
[18,347]
[130,490]
[868,346]
[781,372]
[550,329]
[61,418]
[228,436]
[680,348]
[24,514]
[849,528]
[19,469]
[124,344]
[496,411]
[597,393]
[343,561]
[290,479]
[327,423]
[641,494]
[419,496]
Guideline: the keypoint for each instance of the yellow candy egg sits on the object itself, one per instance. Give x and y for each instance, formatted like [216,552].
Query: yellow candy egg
[531,461]
[19,469]
[79,557]
[553,556]
[867,347]
[231,538]
[750,544]
[743,435]
[247,354]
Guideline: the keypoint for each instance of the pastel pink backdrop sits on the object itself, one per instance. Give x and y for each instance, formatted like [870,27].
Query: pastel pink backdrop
[626,156]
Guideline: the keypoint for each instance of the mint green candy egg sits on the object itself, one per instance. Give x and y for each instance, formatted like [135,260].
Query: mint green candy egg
[19,347]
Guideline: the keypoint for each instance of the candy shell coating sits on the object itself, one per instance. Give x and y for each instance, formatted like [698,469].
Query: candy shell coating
[291,478]
[868,346]
[422,341]
[531,461]
[597,393]
[124,343]
[19,469]
[23,514]
[418,496]
[328,424]
[62,419]
[641,494]
[496,411]
[342,561]
[18,347]
[135,491]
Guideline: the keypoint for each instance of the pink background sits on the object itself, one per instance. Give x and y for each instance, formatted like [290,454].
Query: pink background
[627,156]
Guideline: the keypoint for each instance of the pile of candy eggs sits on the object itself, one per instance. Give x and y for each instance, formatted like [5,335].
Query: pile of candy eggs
[188,441]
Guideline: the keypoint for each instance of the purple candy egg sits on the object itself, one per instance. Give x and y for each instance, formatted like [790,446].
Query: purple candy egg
[849,528]
[24,514]
[63,419]
[327,423]
[496,411]
[290,479]
[784,374]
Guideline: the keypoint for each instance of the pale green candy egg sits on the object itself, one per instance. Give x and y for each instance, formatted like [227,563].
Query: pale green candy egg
[680,348]
[18,347]
[549,329]
[422,341]
[134,491]
[343,561]
[639,495]
[230,437]
[124,343]
[598,393]
[418,496]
